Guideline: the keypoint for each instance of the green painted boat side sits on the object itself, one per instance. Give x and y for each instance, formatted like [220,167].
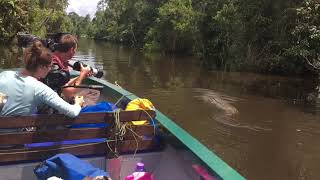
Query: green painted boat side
[216,164]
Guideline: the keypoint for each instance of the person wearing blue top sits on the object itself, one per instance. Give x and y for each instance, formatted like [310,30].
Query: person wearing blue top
[25,92]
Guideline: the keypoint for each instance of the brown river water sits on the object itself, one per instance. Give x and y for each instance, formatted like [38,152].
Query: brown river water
[265,127]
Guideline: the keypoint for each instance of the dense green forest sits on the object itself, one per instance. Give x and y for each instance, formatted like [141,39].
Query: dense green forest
[281,37]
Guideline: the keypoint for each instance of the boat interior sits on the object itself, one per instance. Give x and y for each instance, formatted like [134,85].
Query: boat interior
[106,146]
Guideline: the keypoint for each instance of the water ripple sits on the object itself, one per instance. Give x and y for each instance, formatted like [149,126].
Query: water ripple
[224,102]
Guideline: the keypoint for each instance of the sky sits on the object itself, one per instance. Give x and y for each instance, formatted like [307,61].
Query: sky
[83,7]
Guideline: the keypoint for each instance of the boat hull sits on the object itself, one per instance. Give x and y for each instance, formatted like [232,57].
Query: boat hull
[180,155]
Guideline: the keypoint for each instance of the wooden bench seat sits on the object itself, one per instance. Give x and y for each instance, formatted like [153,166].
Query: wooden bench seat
[145,138]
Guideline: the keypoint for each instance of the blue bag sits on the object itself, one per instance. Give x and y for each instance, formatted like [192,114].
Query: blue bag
[99,107]
[67,167]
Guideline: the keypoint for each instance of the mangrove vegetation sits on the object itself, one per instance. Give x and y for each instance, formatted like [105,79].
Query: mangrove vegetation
[269,36]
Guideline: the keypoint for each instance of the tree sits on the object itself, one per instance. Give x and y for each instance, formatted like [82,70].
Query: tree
[174,28]
[306,34]
[13,18]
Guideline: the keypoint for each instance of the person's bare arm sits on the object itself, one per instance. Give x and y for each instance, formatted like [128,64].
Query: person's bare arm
[84,73]
[71,81]
[70,92]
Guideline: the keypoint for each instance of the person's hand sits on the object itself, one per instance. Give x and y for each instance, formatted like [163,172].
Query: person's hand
[86,70]
[79,100]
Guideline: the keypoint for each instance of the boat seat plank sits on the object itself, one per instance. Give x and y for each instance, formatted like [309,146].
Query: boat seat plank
[52,135]
[41,154]
[71,134]
[59,119]
[35,154]
[55,140]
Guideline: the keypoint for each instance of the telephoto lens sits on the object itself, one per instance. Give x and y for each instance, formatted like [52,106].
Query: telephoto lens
[26,39]
[96,72]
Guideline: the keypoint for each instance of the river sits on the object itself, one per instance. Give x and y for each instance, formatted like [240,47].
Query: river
[265,127]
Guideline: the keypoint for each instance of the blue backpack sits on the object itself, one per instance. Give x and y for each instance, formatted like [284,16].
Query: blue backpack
[67,167]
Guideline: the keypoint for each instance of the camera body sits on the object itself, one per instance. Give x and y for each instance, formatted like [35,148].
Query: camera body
[96,72]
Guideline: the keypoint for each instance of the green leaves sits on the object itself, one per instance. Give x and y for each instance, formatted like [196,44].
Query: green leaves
[12,19]
[178,14]
[34,16]
[175,27]
[306,34]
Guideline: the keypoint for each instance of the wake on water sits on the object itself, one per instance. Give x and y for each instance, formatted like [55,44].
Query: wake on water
[224,103]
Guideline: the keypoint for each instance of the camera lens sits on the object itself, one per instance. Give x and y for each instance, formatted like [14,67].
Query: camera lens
[96,72]
[25,39]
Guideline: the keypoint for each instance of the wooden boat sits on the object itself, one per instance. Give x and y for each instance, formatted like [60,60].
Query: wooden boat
[167,150]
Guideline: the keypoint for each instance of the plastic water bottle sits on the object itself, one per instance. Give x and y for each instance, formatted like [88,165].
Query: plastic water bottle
[140,167]
[140,173]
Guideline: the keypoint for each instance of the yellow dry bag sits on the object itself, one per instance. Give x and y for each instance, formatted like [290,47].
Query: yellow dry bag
[139,104]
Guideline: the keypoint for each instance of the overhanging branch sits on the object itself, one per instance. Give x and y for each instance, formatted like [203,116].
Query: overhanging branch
[317,68]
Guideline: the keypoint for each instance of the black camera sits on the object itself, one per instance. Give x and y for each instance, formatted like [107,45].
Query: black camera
[51,41]
[25,39]
[96,72]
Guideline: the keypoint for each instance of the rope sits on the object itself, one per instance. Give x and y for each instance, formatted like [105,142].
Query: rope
[116,83]
[122,128]
[114,152]
[122,95]
[153,123]
[137,143]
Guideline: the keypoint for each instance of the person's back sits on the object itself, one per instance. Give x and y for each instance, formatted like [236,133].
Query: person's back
[19,92]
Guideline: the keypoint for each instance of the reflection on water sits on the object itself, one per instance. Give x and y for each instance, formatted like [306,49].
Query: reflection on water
[266,127]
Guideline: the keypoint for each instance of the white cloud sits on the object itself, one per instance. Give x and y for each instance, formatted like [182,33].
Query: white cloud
[83,7]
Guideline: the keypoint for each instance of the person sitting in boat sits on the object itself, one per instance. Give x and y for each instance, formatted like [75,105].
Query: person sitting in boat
[25,92]
[63,52]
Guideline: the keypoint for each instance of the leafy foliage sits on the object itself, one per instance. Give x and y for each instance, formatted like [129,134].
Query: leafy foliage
[306,34]
[12,18]
[268,36]
[174,28]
